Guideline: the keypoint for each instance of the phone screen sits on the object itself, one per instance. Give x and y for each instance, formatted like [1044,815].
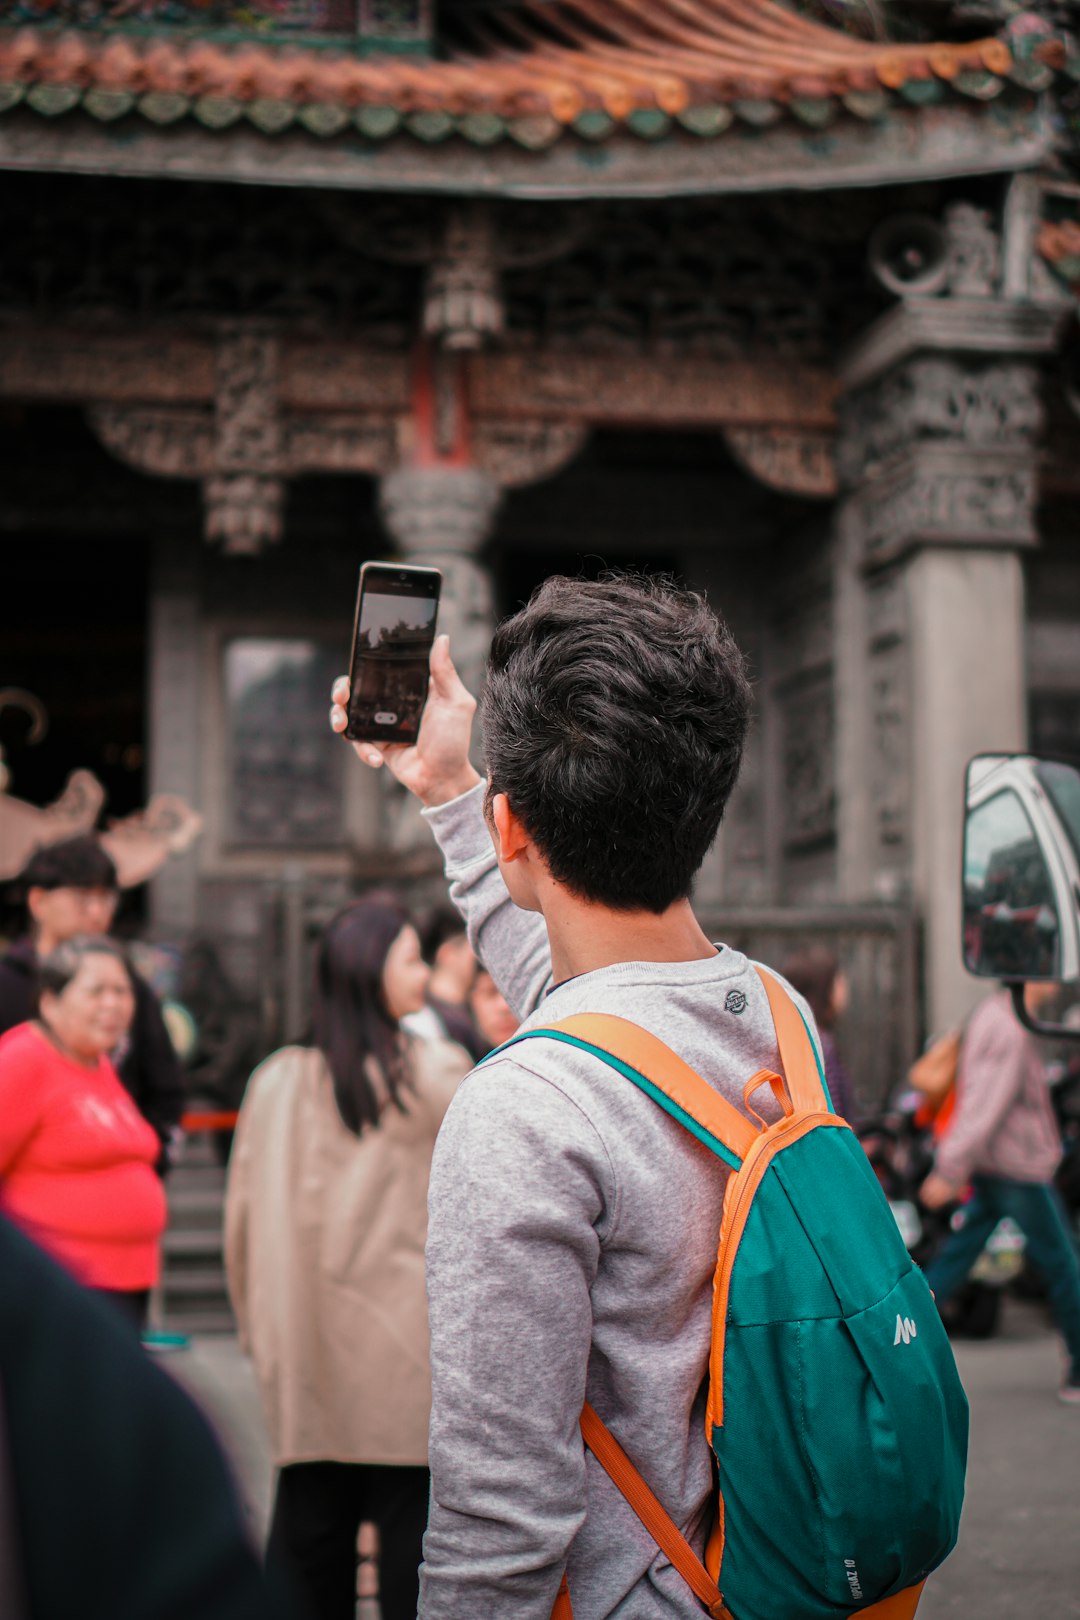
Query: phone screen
[395,627]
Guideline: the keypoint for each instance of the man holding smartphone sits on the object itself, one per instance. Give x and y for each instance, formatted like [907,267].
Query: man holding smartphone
[573,1224]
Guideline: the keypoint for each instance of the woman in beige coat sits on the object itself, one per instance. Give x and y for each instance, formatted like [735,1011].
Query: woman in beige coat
[325,1222]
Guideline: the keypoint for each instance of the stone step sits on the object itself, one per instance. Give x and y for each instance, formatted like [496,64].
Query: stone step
[194,1296]
[200,1319]
[182,1242]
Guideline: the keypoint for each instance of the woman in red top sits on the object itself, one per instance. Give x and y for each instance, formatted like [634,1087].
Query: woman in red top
[76,1156]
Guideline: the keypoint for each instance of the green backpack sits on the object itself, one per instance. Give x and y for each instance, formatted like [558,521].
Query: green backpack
[835,1413]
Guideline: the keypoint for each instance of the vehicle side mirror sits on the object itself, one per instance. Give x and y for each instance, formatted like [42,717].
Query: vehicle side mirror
[1021,886]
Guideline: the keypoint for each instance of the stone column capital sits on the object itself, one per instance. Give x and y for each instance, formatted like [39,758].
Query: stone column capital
[973,327]
[940,426]
[435,510]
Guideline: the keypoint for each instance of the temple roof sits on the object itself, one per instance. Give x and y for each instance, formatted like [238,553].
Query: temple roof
[546,68]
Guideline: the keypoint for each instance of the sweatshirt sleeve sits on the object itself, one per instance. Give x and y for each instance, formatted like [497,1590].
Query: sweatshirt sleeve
[992,1067]
[512,944]
[520,1187]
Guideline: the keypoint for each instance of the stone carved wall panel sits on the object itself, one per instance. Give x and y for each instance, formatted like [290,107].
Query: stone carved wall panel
[808,772]
[938,399]
[890,714]
[927,501]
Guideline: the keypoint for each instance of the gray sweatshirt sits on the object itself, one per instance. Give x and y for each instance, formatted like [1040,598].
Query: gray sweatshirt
[571,1247]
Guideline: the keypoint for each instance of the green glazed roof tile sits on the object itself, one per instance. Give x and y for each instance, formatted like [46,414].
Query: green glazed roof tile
[817,111]
[760,114]
[922,92]
[482,129]
[323,119]
[377,123]
[218,112]
[649,122]
[163,106]
[982,86]
[535,133]
[107,105]
[430,126]
[50,100]
[868,104]
[271,115]
[594,125]
[707,120]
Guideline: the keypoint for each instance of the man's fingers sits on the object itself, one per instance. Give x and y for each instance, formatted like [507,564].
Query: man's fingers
[339,692]
[446,681]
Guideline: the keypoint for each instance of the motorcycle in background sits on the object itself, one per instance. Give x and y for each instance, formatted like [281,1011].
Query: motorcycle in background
[900,1147]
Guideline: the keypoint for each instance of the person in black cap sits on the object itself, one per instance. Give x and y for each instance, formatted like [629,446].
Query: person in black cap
[71,888]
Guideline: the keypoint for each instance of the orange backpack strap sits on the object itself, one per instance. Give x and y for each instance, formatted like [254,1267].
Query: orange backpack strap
[663,1529]
[656,1069]
[798,1054]
[900,1607]
[564,1609]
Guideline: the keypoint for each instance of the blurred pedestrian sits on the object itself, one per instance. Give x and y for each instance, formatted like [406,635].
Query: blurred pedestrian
[445,946]
[71,888]
[492,1014]
[1004,1140]
[115,1499]
[76,1156]
[816,974]
[325,1223]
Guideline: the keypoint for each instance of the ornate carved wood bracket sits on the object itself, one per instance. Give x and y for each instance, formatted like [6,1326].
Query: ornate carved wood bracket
[245,493]
[525,452]
[798,461]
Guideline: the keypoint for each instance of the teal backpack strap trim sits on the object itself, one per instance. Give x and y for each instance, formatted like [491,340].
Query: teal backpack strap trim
[707,1137]
[817,1060]
[804,1075]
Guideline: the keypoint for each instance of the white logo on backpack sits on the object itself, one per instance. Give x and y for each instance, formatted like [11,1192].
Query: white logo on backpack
[905,1330]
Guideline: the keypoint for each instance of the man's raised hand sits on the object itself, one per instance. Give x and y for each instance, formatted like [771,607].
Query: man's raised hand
[436,767]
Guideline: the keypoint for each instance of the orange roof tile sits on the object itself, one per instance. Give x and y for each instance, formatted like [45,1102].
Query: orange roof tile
[559,60]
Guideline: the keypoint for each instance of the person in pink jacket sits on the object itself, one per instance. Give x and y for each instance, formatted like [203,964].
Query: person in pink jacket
[1004,1141]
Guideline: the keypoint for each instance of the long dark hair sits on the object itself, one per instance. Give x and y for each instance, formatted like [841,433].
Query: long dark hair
[350,1023]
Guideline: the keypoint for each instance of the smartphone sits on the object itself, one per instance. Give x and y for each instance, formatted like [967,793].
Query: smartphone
[396,609]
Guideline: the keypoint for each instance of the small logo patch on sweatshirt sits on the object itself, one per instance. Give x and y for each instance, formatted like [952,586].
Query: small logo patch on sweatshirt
[735,1002]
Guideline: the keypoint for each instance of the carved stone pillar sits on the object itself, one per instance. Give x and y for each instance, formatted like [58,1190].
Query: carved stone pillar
[938,451]
[441,516]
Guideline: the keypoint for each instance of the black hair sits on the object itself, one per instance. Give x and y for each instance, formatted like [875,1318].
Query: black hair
[441,923]
[614,717]
[350,1022]
[56,970]
[73,863]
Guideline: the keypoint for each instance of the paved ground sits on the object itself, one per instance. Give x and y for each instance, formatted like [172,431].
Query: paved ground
[1019,1552]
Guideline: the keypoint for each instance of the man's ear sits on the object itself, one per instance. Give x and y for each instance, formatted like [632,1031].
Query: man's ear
[511,839]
